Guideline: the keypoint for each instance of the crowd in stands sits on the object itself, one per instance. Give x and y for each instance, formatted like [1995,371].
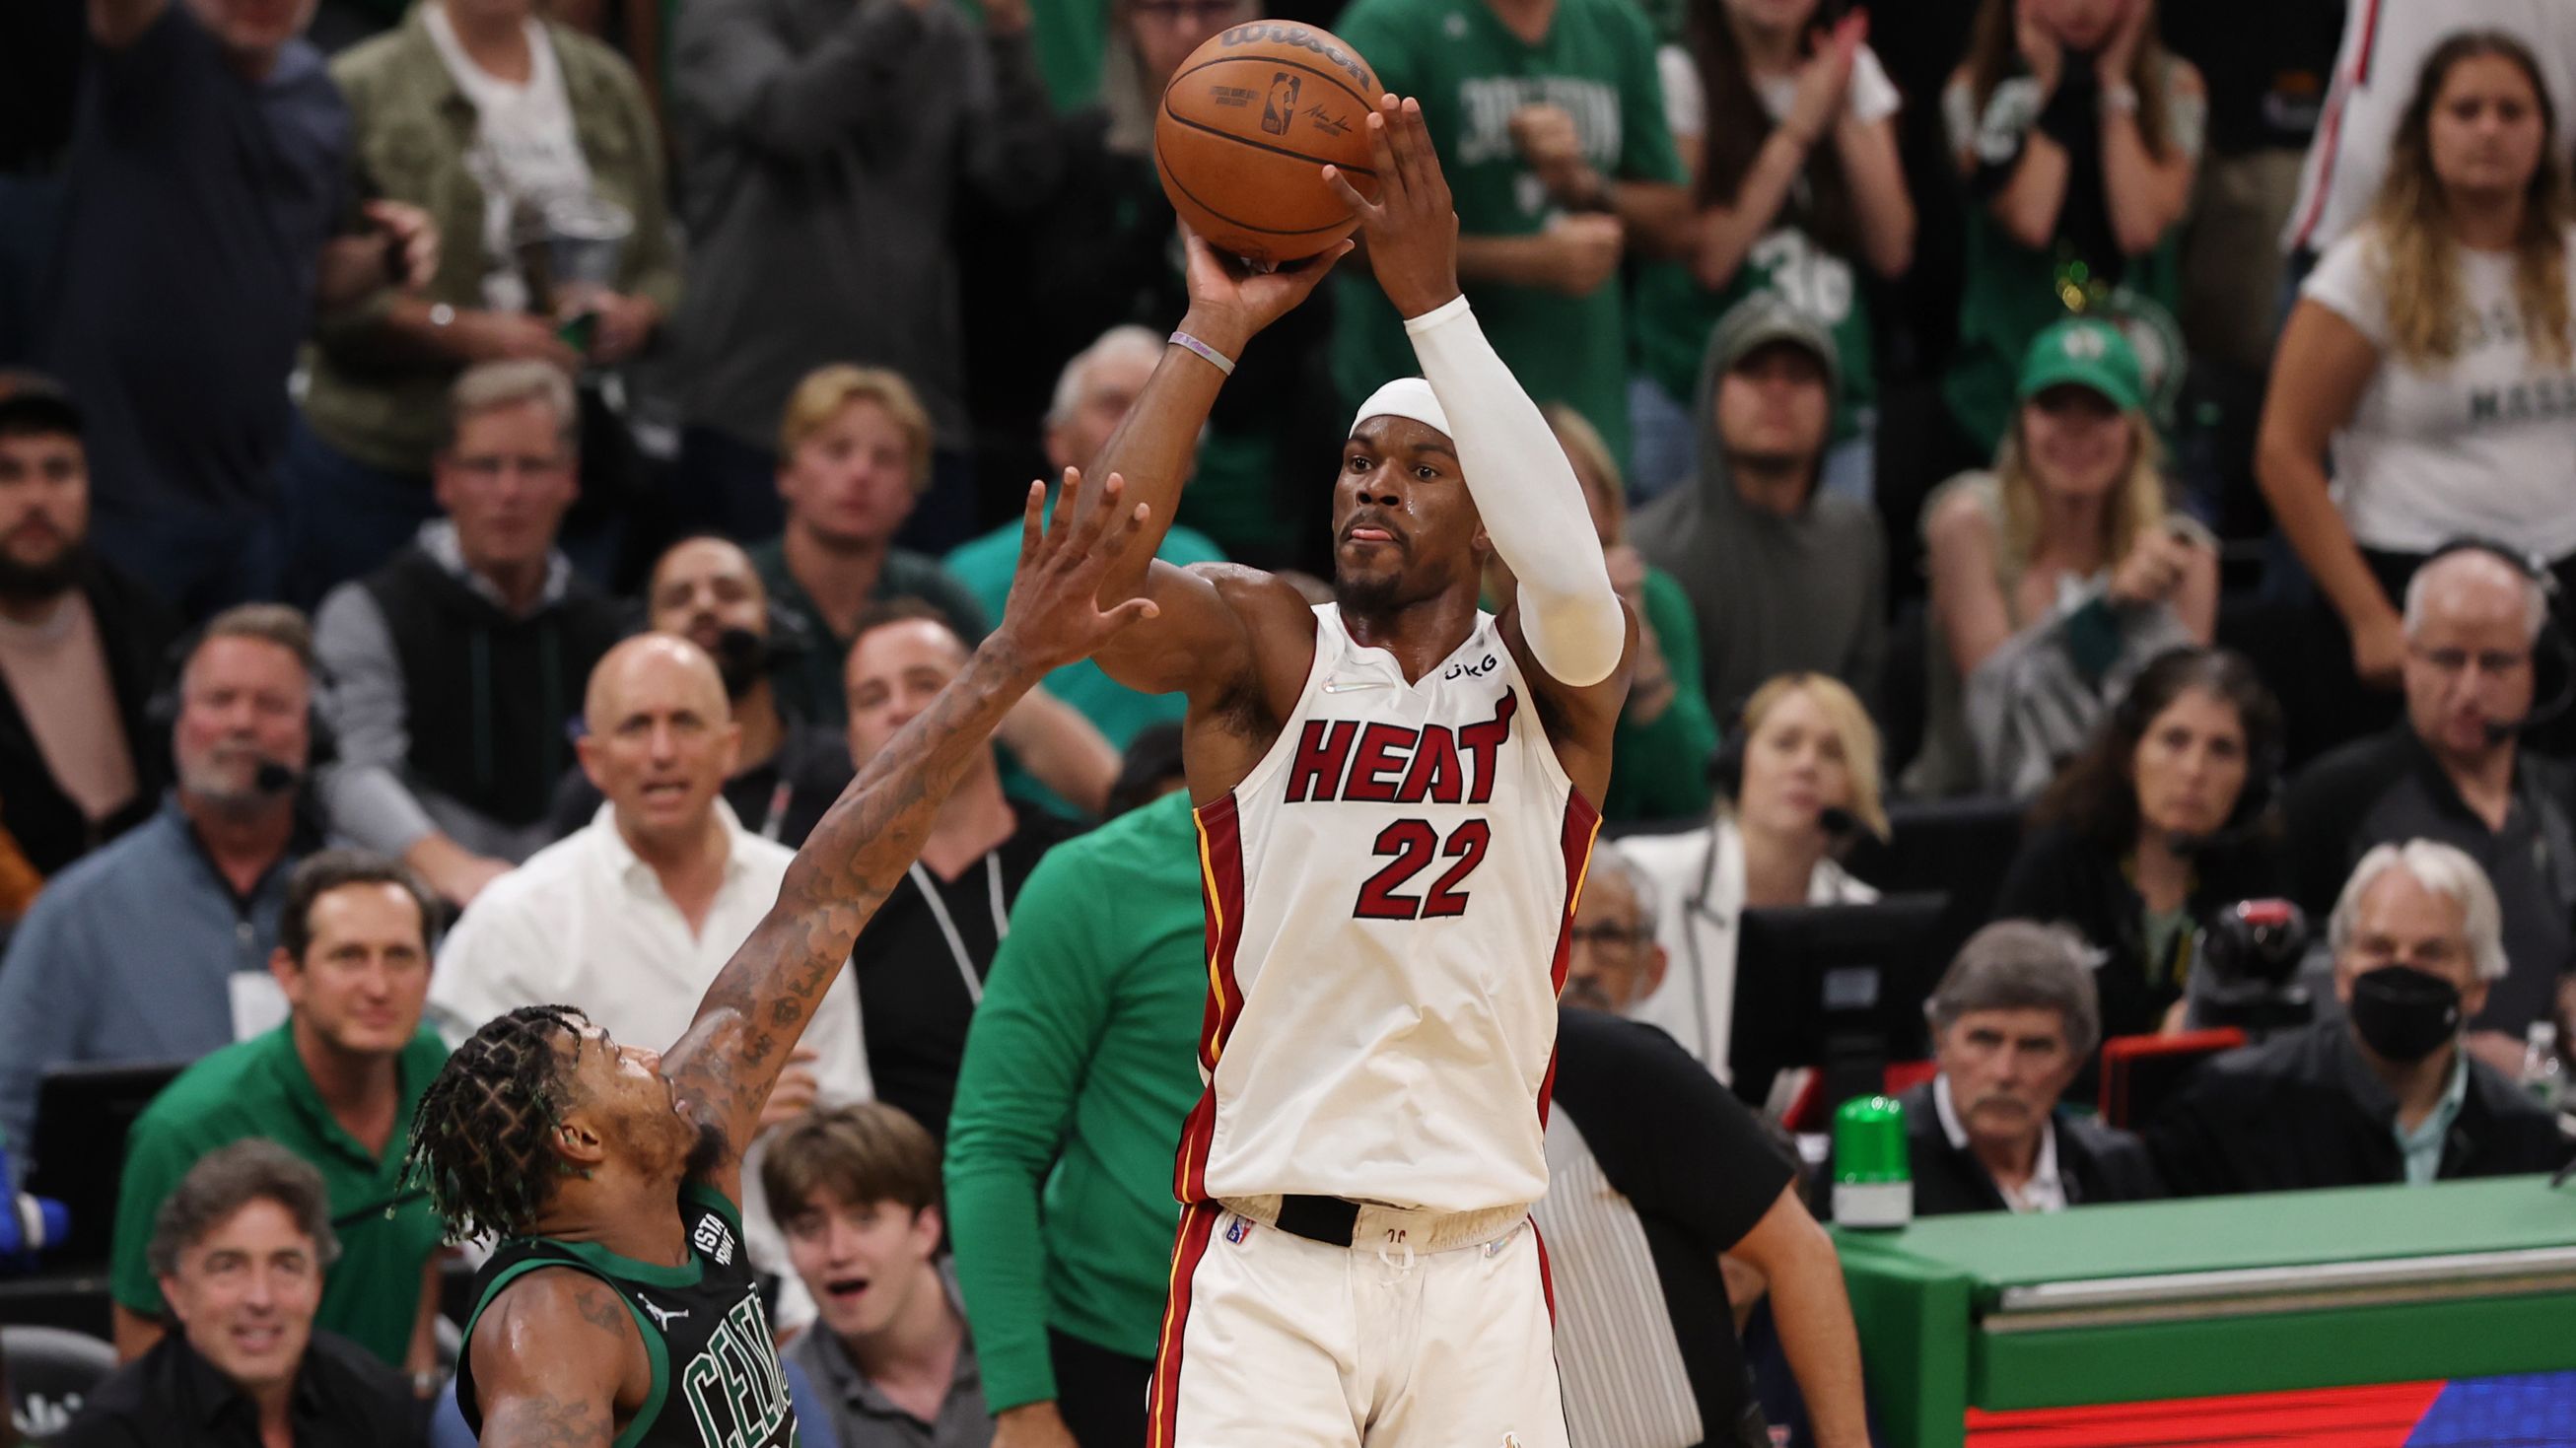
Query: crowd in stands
[479,477]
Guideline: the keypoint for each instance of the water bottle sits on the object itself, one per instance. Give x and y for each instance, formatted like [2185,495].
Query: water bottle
[28,1225]
[1873,1176]
[2542,1074]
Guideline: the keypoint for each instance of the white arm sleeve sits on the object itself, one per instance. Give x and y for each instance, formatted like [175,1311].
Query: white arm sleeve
[1526,491]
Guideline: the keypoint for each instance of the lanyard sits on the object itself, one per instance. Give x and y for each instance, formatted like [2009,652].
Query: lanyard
[948,926]
[776,819]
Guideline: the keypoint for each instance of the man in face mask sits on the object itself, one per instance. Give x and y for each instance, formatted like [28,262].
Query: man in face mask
[2387,1092]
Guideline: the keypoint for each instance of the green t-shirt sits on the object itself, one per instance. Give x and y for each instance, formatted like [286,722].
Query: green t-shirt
[1659,771]
[984,566]
[259,1087]
[1081,1066]
[1471,74]
[1675,316]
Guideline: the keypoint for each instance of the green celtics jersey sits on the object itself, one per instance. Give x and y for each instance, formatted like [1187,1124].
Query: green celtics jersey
[716,1379]
[1675,316]
[1597,61]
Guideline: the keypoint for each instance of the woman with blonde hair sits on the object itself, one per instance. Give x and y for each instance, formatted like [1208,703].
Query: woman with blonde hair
[1799,778]
[2429,357]
[2055,576]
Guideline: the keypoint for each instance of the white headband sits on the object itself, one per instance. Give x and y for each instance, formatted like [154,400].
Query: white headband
[1406,397]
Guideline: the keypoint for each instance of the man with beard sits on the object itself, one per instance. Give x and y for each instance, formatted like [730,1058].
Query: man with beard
[704,589]
[133,953]
[2013,1020]
[80,648]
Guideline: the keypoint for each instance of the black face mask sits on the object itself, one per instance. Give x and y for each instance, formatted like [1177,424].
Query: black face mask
[2404,1014]
[742,660]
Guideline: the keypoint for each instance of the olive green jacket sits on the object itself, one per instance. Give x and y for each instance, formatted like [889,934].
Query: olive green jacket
[414,131]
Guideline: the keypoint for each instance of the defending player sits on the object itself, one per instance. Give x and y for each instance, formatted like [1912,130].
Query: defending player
[1395,801]
[619,1306]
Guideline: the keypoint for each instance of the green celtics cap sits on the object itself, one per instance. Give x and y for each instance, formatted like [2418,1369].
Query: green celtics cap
[2088,353]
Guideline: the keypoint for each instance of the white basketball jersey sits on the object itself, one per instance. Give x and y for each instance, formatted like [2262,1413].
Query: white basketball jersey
[1389,894]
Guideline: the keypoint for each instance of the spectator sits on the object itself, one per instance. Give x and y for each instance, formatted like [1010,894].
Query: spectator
[1789,132]
[854,456]
[456,666]
[2425,356]
[2162,819]
[921,960]
[82,646]
[2374,77]
[1780,579]
[2058,575]
[211,155]
[705,590]
[1644,1145]
[1550,128]
[561,148]
[1080,1066]
[336,1085]
[2013,1022]
[638,911]
[1804,761]
[2079,134]
[240,1249]
[1661,747]
[2383,1092]
[1092,396]
[181,907]
[2455,770]
[825,146]
[1614,962]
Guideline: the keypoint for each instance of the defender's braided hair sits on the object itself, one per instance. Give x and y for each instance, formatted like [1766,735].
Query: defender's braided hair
[479,1139]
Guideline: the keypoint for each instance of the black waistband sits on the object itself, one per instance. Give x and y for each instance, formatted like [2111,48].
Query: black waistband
[1329,1220]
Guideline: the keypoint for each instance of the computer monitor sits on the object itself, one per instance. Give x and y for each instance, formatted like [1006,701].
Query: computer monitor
[83,1114]
[1962,847]
[1836,987]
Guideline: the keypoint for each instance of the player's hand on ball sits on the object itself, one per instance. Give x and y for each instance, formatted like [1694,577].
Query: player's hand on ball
[1054,615]
[1412,230]
[1231,301]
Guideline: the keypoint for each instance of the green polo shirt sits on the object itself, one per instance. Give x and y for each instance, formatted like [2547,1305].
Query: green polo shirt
[259,1087]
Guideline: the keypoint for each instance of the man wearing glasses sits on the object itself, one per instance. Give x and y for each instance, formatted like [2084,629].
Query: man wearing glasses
[2453,770]
[455,669]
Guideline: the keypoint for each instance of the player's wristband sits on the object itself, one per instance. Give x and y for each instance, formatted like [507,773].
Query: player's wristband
[1215,358]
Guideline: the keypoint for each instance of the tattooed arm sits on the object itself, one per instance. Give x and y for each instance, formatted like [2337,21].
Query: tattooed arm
[558,1363]
[723,1069]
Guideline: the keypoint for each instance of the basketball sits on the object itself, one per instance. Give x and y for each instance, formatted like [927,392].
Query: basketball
[1247,124]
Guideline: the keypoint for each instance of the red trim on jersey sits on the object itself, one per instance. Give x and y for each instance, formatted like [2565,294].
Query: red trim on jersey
[1546,1279]
[1220,831]
[2330,131]
[1163,1400]
[1574,838]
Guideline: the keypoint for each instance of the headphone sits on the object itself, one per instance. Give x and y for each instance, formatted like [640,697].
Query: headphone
[2265,763]
[2553,636]
[161,713]
[1726,772]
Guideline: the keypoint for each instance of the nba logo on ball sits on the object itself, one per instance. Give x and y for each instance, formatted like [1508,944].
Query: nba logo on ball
[1281,107]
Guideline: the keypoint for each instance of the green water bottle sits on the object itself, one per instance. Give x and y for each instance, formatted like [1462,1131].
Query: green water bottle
[1873,1184]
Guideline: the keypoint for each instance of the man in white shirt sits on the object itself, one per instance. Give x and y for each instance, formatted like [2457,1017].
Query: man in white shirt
[634,914]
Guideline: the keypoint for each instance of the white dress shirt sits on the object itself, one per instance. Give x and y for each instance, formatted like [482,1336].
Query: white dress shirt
[585,923]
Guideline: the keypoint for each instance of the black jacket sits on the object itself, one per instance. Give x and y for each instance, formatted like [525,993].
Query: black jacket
[2097,1163]
[2065,877]
[172,1397]
[2302,1110]
[135,631]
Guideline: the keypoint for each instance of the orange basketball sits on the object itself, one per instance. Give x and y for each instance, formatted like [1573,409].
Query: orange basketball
[1248,122]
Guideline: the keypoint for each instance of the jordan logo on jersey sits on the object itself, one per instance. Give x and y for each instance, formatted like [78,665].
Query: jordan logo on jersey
[734,1386]
[1383,763]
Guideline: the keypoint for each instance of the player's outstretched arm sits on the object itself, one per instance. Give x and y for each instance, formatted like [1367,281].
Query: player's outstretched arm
[1525,490]
[553,1357]
[723,1069]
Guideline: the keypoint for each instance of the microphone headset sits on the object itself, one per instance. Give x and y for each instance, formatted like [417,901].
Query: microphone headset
[2553,638]
[1726,776]
[268,776]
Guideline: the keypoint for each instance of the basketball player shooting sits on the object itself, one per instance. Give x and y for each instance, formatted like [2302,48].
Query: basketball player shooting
[1395,799]
[619,1306]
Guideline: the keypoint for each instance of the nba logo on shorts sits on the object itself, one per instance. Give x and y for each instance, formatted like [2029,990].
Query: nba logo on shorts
[1280,107]
[1237,1230]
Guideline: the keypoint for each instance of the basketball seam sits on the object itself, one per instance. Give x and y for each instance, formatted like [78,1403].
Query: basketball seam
[1225,135]
[1196,200]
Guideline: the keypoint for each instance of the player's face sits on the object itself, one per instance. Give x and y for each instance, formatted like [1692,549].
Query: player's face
[1794,769]
[2486,133]
[663,744]
[865,1263]
[241,704]
[2079,445]
[1773,406]
[622,1092]
[1615,963]
[506,482]
[2006,1069]
[702,588]
[2468,662]
[365,977]
[893,674]
[2190,765]
[851,482]
[1404,528]
[44,498]
[246,1292]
